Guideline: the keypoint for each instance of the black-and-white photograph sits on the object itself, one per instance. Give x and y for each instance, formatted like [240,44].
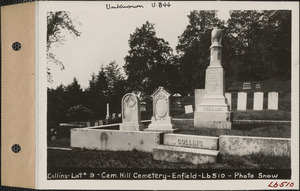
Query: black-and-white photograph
[176,95]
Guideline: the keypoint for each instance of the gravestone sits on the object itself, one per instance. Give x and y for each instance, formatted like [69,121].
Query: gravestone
[88,124]
[258,101]
[107,111]
[131,115]
[213,111]
[143,106]
[176,100]
[228,99]
[119,115]
[247,86]
[113,115]
[161,120]
[257,86]
[100,122]
[199,93]
[273,100]
[188,109]
[96,123]
[242,101]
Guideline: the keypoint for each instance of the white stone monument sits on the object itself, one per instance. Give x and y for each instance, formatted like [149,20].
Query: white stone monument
[273,100]
[213,111]
[242,101]
[228,98]
[199,93]
[131,115]
[161,120]
[188,109]
[258,101]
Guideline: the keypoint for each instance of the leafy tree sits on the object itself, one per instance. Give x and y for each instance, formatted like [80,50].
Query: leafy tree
[80,113]
[56,107]
[193,48]
[261,44]
[58,23]
[147,65]
[116,86]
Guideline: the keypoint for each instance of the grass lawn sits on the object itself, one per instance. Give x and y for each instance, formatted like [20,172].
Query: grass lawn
[80,158]
[257,130]
[250,115]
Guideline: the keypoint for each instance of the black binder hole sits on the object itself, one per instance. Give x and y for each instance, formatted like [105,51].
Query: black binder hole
[16,46]
[16,148]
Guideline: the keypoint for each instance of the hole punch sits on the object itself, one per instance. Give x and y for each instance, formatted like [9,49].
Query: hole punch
[16,46]
[16,148]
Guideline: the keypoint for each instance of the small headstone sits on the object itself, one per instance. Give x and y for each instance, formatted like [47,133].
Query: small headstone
[242,101]
[188,109]
[96,123]
[100,122]
[88,124]
[119,115]
[228,99]
[113,116]
[273,100]
[143,106]
[161,120]
[176,99]
[131,120]
[53,138]
[258,101]
[199,93]
[247,86]
[257,86]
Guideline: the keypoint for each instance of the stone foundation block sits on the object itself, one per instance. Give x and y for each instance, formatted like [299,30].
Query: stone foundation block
[114,140]
[217,120]
[182,154]
[193,141]
[242,145]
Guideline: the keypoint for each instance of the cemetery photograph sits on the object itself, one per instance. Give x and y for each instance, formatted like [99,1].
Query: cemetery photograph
[190,89]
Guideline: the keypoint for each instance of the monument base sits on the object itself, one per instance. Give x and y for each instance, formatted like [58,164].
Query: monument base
[131,127]
[160,129]
[164,126]
[216,120]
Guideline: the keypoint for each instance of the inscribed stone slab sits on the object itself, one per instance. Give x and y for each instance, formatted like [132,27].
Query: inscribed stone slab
[242,101]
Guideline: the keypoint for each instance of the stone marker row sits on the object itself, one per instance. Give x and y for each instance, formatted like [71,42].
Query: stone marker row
[241,101]
[131,115]
[258,101]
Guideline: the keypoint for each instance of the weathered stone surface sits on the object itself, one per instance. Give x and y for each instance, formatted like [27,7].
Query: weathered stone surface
[193,141]
[182,154]
[216,120]
[242,145]
[242,101]
[228,100]
[114,140]
[273,100]
[258,101]
[188,109]
[131,120]
[161,120]
[199,93]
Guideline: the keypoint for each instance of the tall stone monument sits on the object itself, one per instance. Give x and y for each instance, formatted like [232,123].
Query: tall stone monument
[213,111]
[131,115]
[161,120]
